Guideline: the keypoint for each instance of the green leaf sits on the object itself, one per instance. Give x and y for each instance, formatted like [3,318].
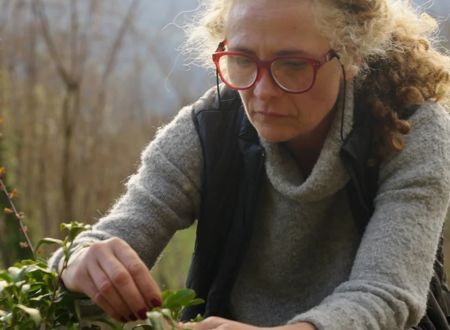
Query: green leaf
[74,228]
[198,318]
[34,313]
[48,241]
[25,288]
[195,302]
[5,276]
[38,271]
[6,318]
[142,326]
[156,320]
[3,284]
[170,317]
[14,272]
[111,325]
[166,312]
[180,298]
[166,294]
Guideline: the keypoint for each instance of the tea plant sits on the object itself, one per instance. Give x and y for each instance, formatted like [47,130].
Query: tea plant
[172,308]
[32,296]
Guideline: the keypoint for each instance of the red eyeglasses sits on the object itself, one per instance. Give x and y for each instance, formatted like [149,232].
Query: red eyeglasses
[293,74]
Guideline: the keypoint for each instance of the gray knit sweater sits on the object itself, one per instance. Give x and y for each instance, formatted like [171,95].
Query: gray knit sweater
[306,260]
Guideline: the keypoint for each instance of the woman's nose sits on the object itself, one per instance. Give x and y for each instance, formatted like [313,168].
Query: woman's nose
[265,87]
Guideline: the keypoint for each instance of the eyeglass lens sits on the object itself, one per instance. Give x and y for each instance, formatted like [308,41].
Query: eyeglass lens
[293,74]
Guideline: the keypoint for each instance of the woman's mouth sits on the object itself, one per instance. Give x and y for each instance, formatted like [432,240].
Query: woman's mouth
[269,114]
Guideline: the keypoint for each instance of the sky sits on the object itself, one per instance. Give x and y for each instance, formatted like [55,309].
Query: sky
[437,7]
[440,9]
[164,19]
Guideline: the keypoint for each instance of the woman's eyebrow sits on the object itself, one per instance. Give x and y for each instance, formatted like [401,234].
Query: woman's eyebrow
[241,49]
[281,52]
[293,51]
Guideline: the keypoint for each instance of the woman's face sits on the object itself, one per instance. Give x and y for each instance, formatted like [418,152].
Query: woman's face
[268,28]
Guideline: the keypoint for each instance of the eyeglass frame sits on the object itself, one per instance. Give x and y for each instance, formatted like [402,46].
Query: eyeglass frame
[267,65]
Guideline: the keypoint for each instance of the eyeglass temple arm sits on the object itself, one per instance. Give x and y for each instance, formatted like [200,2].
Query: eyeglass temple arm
[333,54]
[221,46]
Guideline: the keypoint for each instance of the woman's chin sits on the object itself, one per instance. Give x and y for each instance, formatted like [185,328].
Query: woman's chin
[274,136]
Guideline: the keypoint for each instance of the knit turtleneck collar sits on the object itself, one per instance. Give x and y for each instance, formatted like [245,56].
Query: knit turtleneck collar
[328,174]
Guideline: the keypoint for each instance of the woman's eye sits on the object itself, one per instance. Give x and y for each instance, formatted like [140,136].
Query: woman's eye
[294,64]
[243,61]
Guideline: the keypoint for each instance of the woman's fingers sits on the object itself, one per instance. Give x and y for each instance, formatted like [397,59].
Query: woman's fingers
[77,278]
[93,293]
[74,276]
[145,284]
[122,282]
[209,323]
[186,325]
[218,323]
[105,294]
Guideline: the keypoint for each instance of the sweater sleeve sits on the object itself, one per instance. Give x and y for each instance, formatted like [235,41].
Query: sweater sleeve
[161,197]
[389,281]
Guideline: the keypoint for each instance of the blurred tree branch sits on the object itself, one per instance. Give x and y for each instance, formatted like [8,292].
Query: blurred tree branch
[72,77]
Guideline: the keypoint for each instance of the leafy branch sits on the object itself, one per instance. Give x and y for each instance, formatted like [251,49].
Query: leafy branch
[32,296]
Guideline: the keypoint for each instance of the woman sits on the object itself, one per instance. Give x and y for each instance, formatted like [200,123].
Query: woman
[297,65]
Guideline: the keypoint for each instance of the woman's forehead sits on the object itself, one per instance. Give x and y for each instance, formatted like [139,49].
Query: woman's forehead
[282,23]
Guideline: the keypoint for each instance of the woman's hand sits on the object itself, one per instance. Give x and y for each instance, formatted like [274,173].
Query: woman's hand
[111,273]
[218,323]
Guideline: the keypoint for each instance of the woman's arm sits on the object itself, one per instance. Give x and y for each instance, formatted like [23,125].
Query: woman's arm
[162,197]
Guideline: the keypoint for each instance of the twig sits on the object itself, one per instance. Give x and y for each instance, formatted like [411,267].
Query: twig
[19,217]
[58,282]
[39,11]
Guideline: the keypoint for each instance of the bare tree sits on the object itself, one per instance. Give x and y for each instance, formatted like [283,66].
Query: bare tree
[78,101]
[72,76]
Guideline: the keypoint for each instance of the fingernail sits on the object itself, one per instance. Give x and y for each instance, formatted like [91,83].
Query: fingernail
[132,317]
[142,314]
[156,302]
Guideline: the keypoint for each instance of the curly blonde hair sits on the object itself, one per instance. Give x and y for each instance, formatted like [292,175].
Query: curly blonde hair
[387,42]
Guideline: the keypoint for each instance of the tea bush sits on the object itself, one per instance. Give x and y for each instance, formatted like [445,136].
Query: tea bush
[32,296]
